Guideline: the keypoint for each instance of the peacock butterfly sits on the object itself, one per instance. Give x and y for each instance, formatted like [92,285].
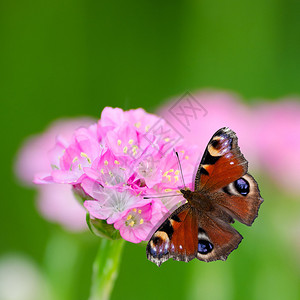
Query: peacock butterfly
[224,191]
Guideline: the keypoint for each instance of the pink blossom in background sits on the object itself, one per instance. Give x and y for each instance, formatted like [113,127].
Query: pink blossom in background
[56,202]
[277,128]
[220,109]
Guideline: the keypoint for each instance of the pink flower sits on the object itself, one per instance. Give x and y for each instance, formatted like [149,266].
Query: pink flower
[137,224]
[112,118]
[55,202]
[33,156]
[125,141]
[156,168]
[277,127]
[113,171]
[108,169]
[69,159]
[110,203]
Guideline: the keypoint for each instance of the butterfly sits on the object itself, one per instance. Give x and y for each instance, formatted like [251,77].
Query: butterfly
[223,192]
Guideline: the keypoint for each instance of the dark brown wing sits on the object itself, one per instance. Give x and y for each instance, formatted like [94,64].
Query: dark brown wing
[222,162]
[216,239]
[176,238]
[240,199]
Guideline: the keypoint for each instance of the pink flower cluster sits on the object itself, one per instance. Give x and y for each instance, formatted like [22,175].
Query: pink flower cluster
[119,163]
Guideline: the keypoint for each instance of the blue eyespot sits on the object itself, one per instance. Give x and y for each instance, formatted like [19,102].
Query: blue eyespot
[153,251]
[205,247]
[242,186]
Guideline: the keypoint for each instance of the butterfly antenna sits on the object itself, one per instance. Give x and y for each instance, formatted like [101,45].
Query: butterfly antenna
[165,196]
[180,168]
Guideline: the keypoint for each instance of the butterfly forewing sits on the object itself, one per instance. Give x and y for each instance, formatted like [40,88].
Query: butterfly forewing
[183,245]
[176,238]
[222,162]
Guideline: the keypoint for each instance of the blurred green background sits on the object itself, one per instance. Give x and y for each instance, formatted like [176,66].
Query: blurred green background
[70,58]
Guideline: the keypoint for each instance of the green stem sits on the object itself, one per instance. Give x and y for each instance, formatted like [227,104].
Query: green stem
[105,268]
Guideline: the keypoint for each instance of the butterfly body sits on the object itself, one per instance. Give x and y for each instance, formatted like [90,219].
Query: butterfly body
[198,200]
[224,191]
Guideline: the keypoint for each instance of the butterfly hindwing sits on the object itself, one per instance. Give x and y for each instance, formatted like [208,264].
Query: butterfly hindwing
[216,239]
[188,233]
[240,199]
